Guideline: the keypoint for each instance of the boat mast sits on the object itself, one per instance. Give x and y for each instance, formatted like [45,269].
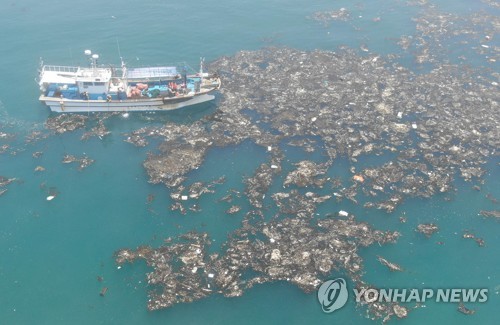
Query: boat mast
[201,69]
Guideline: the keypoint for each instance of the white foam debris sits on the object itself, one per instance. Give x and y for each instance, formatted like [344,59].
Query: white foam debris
[343,213]
[51,197]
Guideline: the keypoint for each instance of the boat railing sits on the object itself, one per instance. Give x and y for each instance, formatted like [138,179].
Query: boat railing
[59,68]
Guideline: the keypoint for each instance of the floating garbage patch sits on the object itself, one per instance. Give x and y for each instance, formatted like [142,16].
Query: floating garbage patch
[448,128]
[298,250]
[450,125]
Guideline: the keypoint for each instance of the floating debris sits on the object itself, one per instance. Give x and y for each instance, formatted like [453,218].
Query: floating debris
[4,181]
[429,128]
[479,241]
[390,265]
[52,192]
[343,213]
[63,123]
[428,229]
[82,162]
[306,174]
[491,198]
[300,251]
[399,175]
[103,291]
[465,310]
[233,209]
[326,17]
[99,131]
[4,148]
[490,214]
[400,311]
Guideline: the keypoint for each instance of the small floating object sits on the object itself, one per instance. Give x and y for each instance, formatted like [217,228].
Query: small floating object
[51,197]
[125,115]
[103,291]
[343,213]
[414,126]
[269,148]
[274,166]
[184,198]
[358,178]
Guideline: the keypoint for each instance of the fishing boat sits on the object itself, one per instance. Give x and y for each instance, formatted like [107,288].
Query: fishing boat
[97,88]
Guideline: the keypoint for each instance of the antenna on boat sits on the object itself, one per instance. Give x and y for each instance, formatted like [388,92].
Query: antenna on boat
[124,68]
[119,52]
[202,60]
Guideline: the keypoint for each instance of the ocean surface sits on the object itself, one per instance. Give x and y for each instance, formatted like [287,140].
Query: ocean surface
[51,252]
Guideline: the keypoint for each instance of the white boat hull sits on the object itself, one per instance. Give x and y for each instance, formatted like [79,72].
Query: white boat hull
[130,105]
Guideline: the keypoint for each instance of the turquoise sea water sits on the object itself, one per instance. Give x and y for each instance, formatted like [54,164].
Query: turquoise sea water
[52,252]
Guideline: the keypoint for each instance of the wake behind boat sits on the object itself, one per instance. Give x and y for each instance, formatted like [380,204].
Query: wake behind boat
[107,89]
